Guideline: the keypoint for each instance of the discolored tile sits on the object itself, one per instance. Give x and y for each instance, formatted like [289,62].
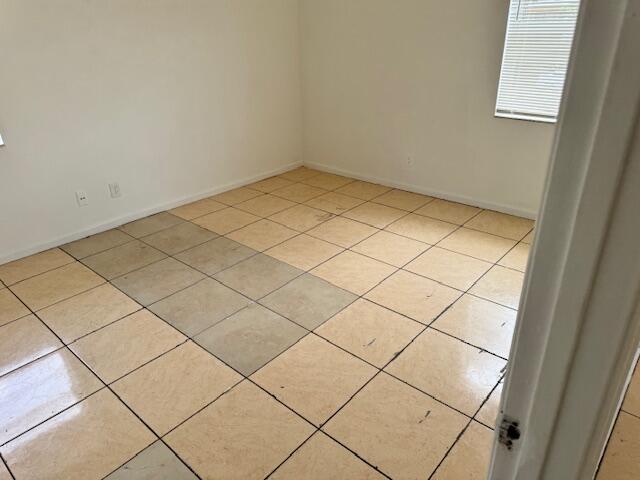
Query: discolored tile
[402,431]
[300,173]
[301,217]
[156,462]
[197,209]
[353,272]
[481,323]
[258,276]
[225,221]
[270,184]
[262,235]
[10,307]
[370,331]
[446,211]
[632,398]
[100,432]
[308,301]
[88,311]
[299,192]
[320,458]
[171,388]
[56,285]
[414,296]
[470,457]
[374,214]
[621,460]
[18,270]
[477,244]
[403,200]
[158,280]
[314,378]
[500,285]
[304,252]
[179,238]
[453,372]
[126,344]
[23,341]
[451,268]
[328,181]
[96,243]
[245,434]
[488,413]
[422,228]
[517,257]
[335,203]
[148,225]
[250,338]
[363,190]
[215,255]
[342,231]
[235,196]
[41,389]
[265,205]
[123,259]
[199,306]
[390,248]
[501,224]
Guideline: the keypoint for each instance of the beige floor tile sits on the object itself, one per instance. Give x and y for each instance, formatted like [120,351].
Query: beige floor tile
[179,238]
[270,184]
[421,228]
[10,307]
[299,192]
[41,389]
[301,217]
[353,272]
[517,257]
[403,200]
[480,323]
[488,413]
[321,458]
[123,259]
[621,460]
[370,331]
[88,311]
[173,387]
[451,212]
[119,348]
[314,378]
[374,214]
[501,224]
[88,440]
[148,225]
[451,268]
[470,457]
[14,272]
[328,181]
[477,244]
[225,221]
[299,174]
[363,190]
[304,252]
[342,231]
[632,398]
[414,296]
[97,243]
[453,372]
[235,196]
[500,285]
[402,431]
[262,235]
[333,202]
[197,209]
[4,473]
[24,340]
[528,239]
[390,248]
[243,435]
[264,205]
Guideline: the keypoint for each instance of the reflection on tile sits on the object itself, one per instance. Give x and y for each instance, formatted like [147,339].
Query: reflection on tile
[517,257]
[41,389]
[156,462]
[621,460]
[477,244]
[421,228]
[451,212]
[301,217]
[245,434]
[328,181]
[123,259]
[501,224]
[470,457]
[403,200]
[299,192]
[197,209]
[314,378]
[262,235]
[374,214]
[488,414]
[304,252]
[148,225]
[363,190]
[100,431]
[237,195]
[178,238]
[33,265]
[342,231]
[10,307]
[500,285]
[96,243]
[216,255]
[390,248]
[225,221]
[168,390]
[333,202]
[265,205]
[270,184]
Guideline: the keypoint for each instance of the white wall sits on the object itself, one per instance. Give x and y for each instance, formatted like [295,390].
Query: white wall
[169,98]
[387,79]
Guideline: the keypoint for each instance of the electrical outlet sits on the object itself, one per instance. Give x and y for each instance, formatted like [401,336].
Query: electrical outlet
[114,190]
[81,198]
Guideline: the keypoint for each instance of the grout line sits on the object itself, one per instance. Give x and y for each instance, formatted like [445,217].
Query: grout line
[4,462]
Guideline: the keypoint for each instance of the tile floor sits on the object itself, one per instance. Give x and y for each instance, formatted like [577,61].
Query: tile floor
[306,326]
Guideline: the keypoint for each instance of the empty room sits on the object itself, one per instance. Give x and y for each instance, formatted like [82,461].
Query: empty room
[319,239]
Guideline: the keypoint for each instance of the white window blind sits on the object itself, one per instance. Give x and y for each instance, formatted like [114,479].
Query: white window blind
[536,54]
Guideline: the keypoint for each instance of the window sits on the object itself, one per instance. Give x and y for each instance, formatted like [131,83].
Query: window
[536,54]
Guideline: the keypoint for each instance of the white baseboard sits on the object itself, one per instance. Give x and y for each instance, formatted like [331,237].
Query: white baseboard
[115,222]
[454,197]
